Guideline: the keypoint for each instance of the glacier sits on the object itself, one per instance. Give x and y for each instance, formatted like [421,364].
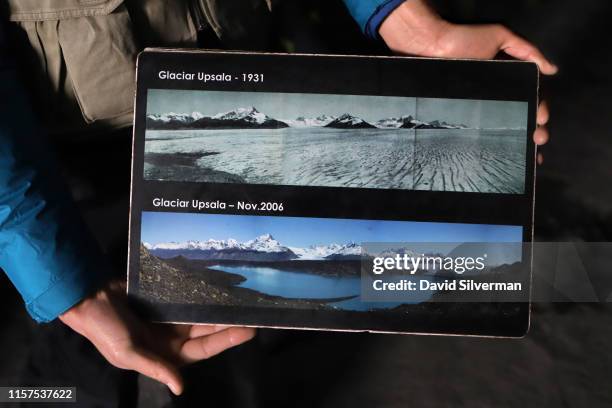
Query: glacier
[463,160]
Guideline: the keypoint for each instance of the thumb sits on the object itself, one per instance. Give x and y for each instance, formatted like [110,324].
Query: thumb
[147,363]
[522,49]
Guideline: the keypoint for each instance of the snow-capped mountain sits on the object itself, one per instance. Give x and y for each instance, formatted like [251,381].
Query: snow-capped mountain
[302,122]
[349,121]
[211,244]
[389,123]
[408,122]
[236,119]
[250,117]
[346,251]
[264,243]
[262,248]
[175,117]
[249,114]
[331,251]
[324,119]
[437,124]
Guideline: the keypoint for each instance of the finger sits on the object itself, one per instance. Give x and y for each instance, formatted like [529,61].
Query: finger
[152,366]
[118,285]
[199,330]
[541,136]
[540,158]
[543,113]
[205,347]
[519,48]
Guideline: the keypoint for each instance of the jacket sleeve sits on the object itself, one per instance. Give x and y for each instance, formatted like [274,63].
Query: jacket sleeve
[370,14]
[45,248]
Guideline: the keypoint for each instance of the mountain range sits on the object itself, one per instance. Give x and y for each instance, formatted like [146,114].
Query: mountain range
[348,121]
[265,248]
[408,122]
[301,121]
[250,117]
[237,119]
[262,248]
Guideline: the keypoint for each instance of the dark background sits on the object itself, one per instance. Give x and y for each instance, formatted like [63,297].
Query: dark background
[565,360]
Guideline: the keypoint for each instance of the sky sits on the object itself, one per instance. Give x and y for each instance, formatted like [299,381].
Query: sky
[472,113]
[280,105]
[302,232]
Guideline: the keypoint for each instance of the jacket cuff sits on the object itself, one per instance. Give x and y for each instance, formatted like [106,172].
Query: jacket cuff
[53,274]
[64,294]
[379,15]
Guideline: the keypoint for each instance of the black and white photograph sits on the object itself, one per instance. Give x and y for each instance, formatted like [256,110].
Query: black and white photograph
[326,140]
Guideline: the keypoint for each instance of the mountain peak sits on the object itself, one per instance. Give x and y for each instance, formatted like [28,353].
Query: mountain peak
[250,109]
[347,120]
[265,237]
[239,113]
[303,122]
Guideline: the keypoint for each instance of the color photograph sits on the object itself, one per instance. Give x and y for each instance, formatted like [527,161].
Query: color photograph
[290,262]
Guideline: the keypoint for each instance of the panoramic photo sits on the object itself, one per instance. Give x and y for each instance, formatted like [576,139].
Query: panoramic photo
[292,262]
[336,141]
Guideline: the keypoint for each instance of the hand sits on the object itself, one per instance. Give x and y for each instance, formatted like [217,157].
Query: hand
[154,350]
[414,28]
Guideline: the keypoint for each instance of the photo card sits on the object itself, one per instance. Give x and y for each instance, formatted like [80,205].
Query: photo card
[382,194]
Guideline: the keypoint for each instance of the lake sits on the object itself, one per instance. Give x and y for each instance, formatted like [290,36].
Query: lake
[440,160]
[296,285]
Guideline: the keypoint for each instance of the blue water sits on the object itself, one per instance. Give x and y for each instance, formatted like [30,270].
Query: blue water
[297,285]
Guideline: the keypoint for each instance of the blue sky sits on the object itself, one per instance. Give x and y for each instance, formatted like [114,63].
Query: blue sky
[301,232]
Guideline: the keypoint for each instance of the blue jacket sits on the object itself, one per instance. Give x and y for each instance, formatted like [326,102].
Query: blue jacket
[45,249]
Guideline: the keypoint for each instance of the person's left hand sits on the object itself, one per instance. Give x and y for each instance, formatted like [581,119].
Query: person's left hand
[154,350]
[414,28]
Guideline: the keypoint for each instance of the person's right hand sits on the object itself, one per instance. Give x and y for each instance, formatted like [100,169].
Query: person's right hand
[154,350]
[414,28]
